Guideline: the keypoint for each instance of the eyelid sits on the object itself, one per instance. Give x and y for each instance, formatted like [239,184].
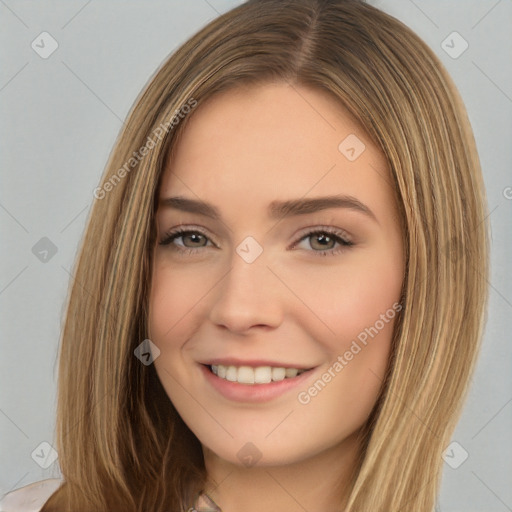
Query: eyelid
[306,230]
[344,239]
[183,229]
[315,228]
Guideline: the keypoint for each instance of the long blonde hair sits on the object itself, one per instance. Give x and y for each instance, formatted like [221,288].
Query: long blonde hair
[121,443]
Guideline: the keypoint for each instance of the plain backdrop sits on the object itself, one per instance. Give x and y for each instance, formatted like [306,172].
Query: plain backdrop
[59,118]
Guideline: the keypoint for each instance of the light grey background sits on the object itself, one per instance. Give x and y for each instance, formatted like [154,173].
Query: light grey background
[59,119]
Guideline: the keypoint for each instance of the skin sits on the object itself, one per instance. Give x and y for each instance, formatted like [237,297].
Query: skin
[242,150]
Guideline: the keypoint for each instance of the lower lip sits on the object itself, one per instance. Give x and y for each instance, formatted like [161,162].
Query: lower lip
[253,392]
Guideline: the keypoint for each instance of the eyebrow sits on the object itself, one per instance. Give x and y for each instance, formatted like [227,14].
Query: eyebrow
[276,209]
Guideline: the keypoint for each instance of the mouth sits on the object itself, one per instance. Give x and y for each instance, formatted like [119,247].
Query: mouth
[254,384]
[254,375]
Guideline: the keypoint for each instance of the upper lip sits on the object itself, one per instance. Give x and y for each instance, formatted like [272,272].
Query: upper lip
[231,361]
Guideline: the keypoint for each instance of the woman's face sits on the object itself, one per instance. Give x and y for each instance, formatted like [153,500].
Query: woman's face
[259,291]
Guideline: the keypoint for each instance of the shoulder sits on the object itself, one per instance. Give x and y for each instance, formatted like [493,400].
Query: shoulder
[31,497]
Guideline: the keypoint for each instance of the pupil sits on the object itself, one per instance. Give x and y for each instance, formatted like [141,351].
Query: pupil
[196,237]
[323,240]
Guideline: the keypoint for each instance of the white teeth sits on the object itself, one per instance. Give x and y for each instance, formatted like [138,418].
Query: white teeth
[278,374]
[245,375]
[258,375]
[231,373]
[262,375]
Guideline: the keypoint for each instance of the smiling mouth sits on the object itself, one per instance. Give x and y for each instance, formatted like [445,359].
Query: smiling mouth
[254,375]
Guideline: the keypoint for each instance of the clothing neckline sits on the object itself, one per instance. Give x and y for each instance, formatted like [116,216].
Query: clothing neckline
[205,504]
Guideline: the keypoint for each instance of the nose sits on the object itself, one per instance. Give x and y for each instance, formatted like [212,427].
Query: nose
[250,295]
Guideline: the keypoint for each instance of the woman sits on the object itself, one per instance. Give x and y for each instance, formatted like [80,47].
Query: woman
[281,291]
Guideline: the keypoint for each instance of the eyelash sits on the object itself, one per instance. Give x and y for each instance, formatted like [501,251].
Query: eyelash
[338,236]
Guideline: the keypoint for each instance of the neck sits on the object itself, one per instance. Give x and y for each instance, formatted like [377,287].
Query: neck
[321,482]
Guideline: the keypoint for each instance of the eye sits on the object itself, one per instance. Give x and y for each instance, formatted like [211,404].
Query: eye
[325,239]
[194,236]
[323,242]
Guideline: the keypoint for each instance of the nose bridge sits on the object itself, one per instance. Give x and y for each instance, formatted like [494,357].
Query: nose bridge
[248,294]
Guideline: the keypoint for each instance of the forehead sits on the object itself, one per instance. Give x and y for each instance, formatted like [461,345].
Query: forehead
[275,141]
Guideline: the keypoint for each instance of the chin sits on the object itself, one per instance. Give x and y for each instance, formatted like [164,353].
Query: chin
[257,453]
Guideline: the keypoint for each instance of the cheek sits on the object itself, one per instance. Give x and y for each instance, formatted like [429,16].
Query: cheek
[174,295]
[352,316]
[346,301]
[343,396]
[345,391]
